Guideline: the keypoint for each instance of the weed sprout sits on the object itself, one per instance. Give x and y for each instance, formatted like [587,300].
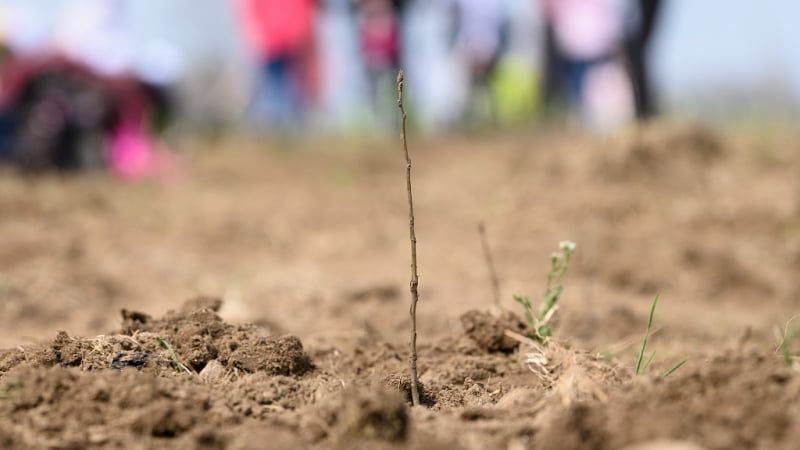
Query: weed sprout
[539,323]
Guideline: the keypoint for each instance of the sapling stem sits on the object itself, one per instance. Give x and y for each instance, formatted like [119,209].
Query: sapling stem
[414,284]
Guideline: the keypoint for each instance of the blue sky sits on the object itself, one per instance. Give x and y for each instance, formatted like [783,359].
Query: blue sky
[707,43]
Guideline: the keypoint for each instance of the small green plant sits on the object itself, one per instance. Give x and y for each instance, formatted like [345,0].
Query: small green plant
[785,337]
[178,364]
[641,364]
[539,322]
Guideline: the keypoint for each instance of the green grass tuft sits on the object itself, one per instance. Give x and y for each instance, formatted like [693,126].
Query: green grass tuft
[639,369]
[178,365]
[641,363]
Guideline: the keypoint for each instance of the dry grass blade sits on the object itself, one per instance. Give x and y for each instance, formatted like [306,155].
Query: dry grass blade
[535,358]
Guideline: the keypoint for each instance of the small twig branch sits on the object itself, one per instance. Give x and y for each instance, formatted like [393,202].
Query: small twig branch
[487,255]
[413,238]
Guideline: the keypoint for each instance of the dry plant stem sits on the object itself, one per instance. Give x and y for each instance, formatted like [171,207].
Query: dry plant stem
[414,278]
[487,254]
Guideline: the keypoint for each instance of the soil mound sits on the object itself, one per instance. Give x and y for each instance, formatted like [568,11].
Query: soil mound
[67,408]
[488,330]
[191,380]
[664,152]
[731,401]
[158,379]
[187,339]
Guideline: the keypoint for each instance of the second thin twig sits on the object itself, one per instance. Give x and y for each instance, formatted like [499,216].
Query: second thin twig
[487,255]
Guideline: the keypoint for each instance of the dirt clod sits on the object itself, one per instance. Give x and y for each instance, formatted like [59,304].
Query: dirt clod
[275,356]
[487,330]
[374,415]
[129,359]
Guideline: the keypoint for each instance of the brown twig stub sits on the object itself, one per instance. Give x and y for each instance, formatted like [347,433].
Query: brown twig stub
[487,255]
[414,284]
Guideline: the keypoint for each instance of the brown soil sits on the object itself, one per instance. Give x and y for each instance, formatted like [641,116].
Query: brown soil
[295,264]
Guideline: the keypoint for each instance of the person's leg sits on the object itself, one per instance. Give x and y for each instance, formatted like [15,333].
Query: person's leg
[636,48]
[273,100]
[554,74]
[7,135]
[576,74]
[637,72]
[488,78]
[297,90]
[651,10]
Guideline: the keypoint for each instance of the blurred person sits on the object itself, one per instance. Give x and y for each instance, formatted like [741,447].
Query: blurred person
[582,53]
[480,35]
[281,36]
[433,71]
[637,46]
[342,78]
[145,108]
[158,68]
[50,103]
[6,118]
[53,108]
[93,35]
[554,92]
[378,23]
[21,40]
[518,73]
[95,97]
[131,74]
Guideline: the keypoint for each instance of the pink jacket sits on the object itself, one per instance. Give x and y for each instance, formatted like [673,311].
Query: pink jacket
[277,27]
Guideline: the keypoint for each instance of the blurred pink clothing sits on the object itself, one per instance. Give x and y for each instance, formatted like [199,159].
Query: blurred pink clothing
[276,28]
[379,34]
[133,154]
[586,29]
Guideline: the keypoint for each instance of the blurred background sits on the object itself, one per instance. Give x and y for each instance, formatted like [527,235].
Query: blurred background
[93,83]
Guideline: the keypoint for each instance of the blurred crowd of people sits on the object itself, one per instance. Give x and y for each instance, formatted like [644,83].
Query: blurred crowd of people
[91,92]
[471,61]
